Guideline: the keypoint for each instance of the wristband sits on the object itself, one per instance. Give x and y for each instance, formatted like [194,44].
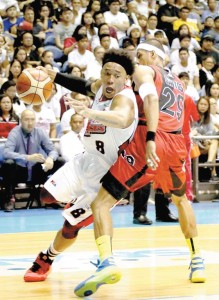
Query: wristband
[150,136]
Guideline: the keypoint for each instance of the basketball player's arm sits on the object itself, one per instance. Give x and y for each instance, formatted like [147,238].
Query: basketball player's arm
[73,83]
[144,80]
[120,115]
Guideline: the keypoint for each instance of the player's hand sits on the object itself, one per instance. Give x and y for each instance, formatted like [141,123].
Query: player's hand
[36,157]
[78,106]
[152,159]
[50,72]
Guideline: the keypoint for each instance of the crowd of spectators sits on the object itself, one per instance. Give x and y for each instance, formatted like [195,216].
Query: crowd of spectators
[72,36]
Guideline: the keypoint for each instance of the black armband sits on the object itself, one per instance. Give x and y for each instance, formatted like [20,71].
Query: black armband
[74,84]
[150,136]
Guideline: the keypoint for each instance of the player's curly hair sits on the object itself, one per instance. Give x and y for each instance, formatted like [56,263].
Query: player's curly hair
[120,57]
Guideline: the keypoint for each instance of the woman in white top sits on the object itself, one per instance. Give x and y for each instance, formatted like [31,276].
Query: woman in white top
[184,29]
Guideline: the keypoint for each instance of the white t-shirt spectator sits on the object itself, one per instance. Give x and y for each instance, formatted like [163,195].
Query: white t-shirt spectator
[44,118]
[119,18]
[76,58]
[71,145]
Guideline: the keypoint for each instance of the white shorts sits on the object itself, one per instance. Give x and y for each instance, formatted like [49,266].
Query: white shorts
[78,178]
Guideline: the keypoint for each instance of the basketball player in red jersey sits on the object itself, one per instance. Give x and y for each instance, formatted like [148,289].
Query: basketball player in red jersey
[157,153]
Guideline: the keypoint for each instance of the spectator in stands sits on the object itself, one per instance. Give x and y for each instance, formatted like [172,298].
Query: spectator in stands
[134,33]
[53,103]
[21,55]
[76,10]
[99,19]
[48,57]
[94,6]
[9,89]
[8,118]
[206,43]
[94,68]
[185,66]
[81,56]
[105,41]
[26,149]
[159,35]
[70,43]
[183,14]
[60,4]
[45,119]
[205,73]
[189,89]
[71,142]
[213,111]
[214,32]
[12,20]
[167,14]
[88,22]
[207,26]
[104,28]
[64,28]
[142,21]
[117,19]
[212,90]
[184,30]
[66,117]
[184,43]
[15,70]
[215,72]
[132,11]
[211,10]
[193,13]
[33,54]
[152,27]
[205,126]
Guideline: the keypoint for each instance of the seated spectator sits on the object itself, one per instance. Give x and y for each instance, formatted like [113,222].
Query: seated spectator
[152,27]
[212,90]
[53,102]
[160,37]
[205,73]
[213,111]
[21,55]
[9,89]
[70,43]
[214,32]
[211,10]
[114,17]
[75,71]
[184,30]
[184,43]
[104,29]
[207,26]
[134,33]
[184,66]
[48,57]
[88,22]
[190,90]
[94,68]
[15,69]
[142,21]
[76,10]
[29,156]
[206,43]
[81,56]
[183,19]
[66,117]
[71,142]
[12,20]
[206,127]
[45,119]
[94,6]
[8,119]
[99,19]
[47,23]
[3,55]
[64,28]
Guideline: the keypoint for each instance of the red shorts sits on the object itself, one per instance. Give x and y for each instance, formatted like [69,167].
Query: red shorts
[130,171]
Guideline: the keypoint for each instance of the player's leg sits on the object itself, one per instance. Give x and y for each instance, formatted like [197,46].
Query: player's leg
[189,229]
[107,271]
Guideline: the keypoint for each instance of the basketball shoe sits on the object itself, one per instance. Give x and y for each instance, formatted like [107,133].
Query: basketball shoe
[107,273]
[40,269]
[197,267]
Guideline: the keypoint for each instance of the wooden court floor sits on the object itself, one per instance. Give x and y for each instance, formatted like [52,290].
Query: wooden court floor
[154,262]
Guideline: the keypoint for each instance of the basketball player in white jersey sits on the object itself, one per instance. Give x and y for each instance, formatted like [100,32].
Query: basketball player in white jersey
[112,122]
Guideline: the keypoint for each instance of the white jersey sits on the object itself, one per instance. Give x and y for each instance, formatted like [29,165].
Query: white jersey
[103,140]
[80,177]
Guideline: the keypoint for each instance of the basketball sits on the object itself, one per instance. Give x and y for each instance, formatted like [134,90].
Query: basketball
[34,86]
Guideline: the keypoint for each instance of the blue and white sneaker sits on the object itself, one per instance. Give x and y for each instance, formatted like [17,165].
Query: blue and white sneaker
[107,273]
[197,267]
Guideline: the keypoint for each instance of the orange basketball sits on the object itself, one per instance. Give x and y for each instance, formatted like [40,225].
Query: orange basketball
[34,86]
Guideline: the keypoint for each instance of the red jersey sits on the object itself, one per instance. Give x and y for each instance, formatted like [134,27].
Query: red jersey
[191,114]
[170,91]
